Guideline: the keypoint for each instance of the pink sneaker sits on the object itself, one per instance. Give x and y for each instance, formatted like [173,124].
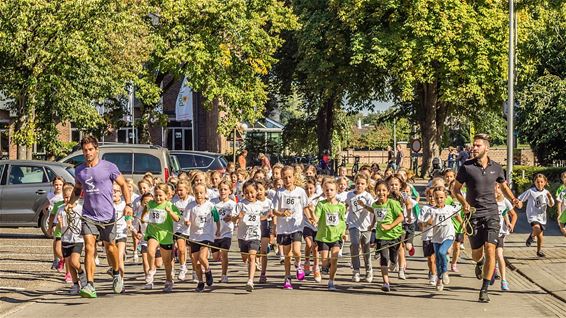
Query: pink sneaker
[287,284]
[300,273]
[61,265]
[412,251]
[454,268]
[68,278]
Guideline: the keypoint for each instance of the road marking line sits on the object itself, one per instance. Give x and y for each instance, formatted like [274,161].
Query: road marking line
[11,288]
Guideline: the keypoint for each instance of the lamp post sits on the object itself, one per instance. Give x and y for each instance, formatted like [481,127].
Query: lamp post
[510,96]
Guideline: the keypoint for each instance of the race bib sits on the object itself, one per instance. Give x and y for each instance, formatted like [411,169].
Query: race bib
[380,214]
[442,220]
[288,202]
[251,219]
[540,201]
[355,206]
[157,216]
[252,232]
[331,219]
[200,221]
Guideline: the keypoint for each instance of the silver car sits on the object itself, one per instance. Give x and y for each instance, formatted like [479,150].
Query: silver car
[24,185]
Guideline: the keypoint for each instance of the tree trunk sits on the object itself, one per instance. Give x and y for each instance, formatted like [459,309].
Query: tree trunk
[325,125]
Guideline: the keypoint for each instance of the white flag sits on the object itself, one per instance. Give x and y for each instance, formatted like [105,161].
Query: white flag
[184,105]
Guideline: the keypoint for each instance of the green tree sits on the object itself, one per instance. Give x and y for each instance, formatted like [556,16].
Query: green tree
[59,58]
[224,48]
[439,57]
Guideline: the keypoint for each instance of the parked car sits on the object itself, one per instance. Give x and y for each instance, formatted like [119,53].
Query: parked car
[24,185]
[200,160]
[133,160]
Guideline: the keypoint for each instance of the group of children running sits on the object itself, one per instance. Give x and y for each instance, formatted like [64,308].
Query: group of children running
[195,215]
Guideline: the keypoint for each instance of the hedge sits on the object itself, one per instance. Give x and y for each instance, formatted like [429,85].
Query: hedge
[521,183]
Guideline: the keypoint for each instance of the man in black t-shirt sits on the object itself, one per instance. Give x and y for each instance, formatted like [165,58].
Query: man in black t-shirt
[480,174]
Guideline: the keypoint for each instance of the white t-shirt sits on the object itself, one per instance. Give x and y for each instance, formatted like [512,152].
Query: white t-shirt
[537,201]
[249,227]
[121,225]
[72,235]
[341,197]
[295,201]
[180,226]
[562,198]
[358,217]
[265,206]
[203,227]
[312,201]
[53,198]
[271,194]
[423,218]
[406,211]
[504,207]
[224,209]
[443,226]
[212,194]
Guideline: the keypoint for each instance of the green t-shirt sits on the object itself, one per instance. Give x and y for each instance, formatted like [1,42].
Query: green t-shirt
[559,190]
[57,232]
[160,224]
[561,196]
[385,214]
[331,221]
[458,228]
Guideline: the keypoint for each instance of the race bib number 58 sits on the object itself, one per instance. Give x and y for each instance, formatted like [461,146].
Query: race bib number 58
[157,216]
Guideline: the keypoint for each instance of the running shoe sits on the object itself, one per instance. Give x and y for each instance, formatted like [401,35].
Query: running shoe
[88,291]
[168,287]
[300,273]
[529,241]
[195,280]
[478,270]
[386,288]
[445,278]
[317,277]
[83,279]
[432,280]
[117,284]
[262,279]
[97,261]
[504,285]
[61,265]
[412,251]
[55,264]
[454,268]
[149,276]
[493,277]
[307,268]
[401,274]
[68,278]
[484,297]
[393,267]
[281,260]
[325,270]
[287,284]
[331,286]
[74,290]
[462,247]
[224,279]
[541,254]
[356,277]
[110,272]
[369,276]
[209,280]
[200,287]
[182,273]
[148,286]
[439,285]
[250,287]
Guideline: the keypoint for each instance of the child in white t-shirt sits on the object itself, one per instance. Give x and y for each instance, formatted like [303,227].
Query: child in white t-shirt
[226,207]
[538,199]
[428,246]
[181,200]
[266,209]
[507,220]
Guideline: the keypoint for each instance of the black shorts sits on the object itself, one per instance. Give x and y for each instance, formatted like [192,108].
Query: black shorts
[327,246]
[123,240]
[223,243]
[247,246]
[373,239]
[179,236]
[388,250]
[459,238]
[104,233]
[500,242]
[485,230]
[70,248]
[409,233]
[428,248]
[288,239]
[167,247]
[307,231]
[265,228]
[542,227]
[196,246]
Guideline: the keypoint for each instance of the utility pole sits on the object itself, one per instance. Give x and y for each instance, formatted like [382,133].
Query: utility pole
[510,87]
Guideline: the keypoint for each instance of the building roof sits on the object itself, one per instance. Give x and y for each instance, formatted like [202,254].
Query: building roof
[265,125]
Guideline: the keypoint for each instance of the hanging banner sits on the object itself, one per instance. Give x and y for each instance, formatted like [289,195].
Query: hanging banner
[184,105]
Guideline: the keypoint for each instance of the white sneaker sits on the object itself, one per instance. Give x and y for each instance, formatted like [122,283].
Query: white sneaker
[182,273]
[250,286]
[439,286]
[445,278]
[402,274]
[149,276]
[195,280]
[168,287]
[369,276]
[136,258]
[462,247]
[224,279]
[432,280]
[356,277]
[74,290]
[97,261]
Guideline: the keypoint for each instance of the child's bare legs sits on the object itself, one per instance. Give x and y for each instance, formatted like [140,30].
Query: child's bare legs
[251,264]
[167,258]
[145,261]
[121,252]
[431,262]
[263,250]
[501,262]
[402,258]
[455,253]
[57,249]
[537,232]
[151,251]
[182,251]
[296,247]
[308,248]
[334,261]
[69,266]
[287,253]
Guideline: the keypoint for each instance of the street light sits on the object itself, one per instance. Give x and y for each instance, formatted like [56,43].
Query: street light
[510,92]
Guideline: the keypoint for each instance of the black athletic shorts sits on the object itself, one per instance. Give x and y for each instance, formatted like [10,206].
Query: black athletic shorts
[485,230]
[388,250]
[247,245]
[123,240]
[195,246]
[500,242]
[70,248]
[223,243]
[428,248]
[288,239]
[542,227]
[327,246]
[179,236]
[307,231]
[409,233]
[265,228]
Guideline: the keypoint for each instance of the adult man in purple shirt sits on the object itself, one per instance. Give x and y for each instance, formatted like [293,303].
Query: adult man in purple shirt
[94,178]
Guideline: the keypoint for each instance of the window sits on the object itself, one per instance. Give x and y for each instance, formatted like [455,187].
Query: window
[122,160]
[202,161]
[26,175]
[126,135]
[76,160]
[179,138]
[50,174]
[146,163]
[186,161]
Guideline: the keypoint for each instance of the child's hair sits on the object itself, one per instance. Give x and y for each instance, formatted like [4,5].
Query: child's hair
[143,181]
[163,187]
[171,187]
[226,183]
[330,180]
[262,183]
[447,171]
[287,168]
[540,175]
[362,176]
[439,189]
[394,195]
[310,180]
[199,173]
[250,183]
[563,174]
[68,187]
[380,182]
[146,195]
[242,172]
[184,184]
[341,179]
[183,175]
[58,178]
[131,183]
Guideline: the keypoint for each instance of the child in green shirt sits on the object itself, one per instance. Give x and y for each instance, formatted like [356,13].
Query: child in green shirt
[330,217]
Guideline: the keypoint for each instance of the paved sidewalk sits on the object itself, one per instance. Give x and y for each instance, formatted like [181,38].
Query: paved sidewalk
[549,273]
